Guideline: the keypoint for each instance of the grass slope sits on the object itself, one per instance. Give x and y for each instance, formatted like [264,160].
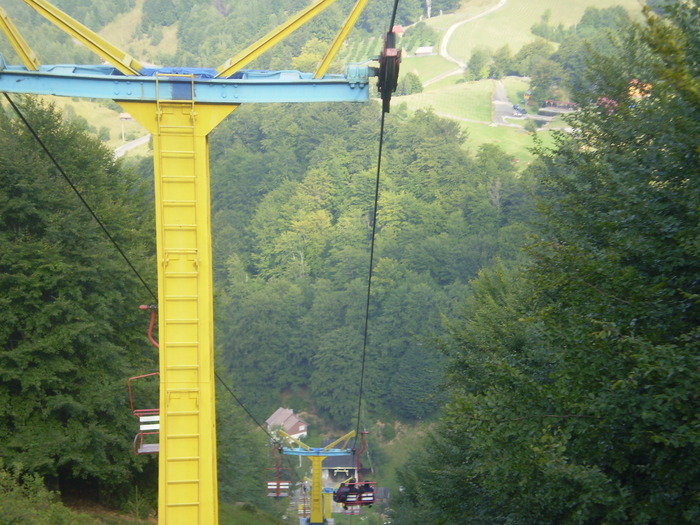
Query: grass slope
[511,23]
[470,102]
[121,33]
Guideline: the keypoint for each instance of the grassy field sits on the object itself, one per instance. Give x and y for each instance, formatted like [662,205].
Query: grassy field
[468,9]
[515,141]
[516,88]
[121,33]
[469,100]
[427,67]
[511,24]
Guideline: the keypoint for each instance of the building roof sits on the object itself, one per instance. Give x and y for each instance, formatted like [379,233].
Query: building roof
[285,418]
[333,462]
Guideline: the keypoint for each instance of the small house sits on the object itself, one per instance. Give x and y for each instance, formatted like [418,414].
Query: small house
[285,419]
[424,51]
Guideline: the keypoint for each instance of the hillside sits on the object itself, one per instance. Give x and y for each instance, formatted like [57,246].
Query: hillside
[476,24]
[292,190]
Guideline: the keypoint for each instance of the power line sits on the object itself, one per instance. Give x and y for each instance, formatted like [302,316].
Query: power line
[230,391]
[77,192]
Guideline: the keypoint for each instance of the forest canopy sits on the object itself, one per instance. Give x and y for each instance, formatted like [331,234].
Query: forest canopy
[573,376]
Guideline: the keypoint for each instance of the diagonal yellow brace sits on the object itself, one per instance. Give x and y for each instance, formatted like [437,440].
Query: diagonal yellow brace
[342,35]
[275,36]
[293,440]
[119,59]
[347,437]
[18,44]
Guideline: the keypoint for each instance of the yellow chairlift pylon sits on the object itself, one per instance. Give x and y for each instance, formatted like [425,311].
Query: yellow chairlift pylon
[320,496]
[180,110]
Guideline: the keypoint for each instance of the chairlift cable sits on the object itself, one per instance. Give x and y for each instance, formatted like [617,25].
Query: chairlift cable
[388,72]
[111,238]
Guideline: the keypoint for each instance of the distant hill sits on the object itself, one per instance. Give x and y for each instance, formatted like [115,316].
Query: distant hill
[206,33]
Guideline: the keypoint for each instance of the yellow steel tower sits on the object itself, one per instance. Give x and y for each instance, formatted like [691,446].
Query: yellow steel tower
[180,110]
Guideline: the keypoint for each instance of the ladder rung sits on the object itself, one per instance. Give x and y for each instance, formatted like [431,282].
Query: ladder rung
[181,481]
[178,154]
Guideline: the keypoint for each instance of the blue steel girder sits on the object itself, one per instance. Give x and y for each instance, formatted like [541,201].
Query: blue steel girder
[316,451]
[246,86]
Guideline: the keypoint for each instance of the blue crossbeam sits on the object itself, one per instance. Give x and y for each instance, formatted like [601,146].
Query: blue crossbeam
[105,82]
[316,451]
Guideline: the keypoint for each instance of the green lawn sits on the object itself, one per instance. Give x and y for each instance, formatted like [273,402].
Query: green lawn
[470,100]
[515,141]
[511,24]
[426,67]
[516,88]
[444,83]
[468,9]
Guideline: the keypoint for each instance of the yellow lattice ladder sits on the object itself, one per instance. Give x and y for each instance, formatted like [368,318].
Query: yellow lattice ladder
[187,394]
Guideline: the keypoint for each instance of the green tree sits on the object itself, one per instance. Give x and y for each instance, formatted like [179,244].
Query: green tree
[479,64]
[294,277]
[574,383]
[502,62]
[409,84]
[71,332]
[531,54]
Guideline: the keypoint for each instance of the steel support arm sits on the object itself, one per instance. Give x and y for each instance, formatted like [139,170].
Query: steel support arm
[25,54]
[342,35]
[104,82]
[249,54]
[119,59]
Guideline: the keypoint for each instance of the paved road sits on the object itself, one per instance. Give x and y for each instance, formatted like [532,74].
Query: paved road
[448,34]
[446,40]
[502,107]
[121,150]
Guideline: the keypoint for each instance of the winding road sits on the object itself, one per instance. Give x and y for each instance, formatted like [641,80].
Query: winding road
[502,107]
[444,53]
[121,150]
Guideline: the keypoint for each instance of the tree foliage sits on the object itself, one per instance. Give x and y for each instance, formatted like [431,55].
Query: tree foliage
[574,378]
[70,333]
[293,272]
